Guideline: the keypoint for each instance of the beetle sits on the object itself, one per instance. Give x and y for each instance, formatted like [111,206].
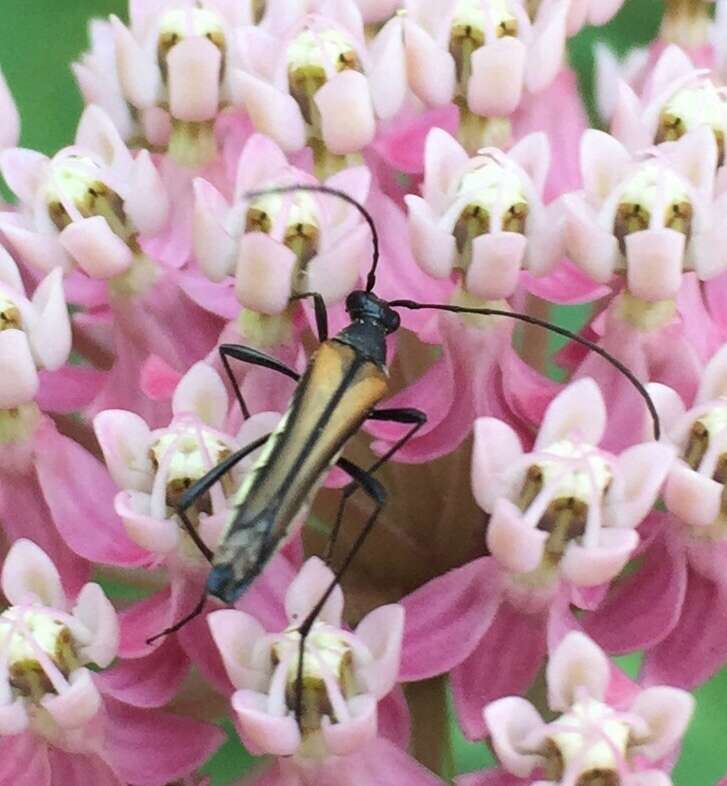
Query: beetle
[346,378]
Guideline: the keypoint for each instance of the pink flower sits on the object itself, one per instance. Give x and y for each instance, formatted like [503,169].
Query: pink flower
[10,132]
[682,580]
[171,67]
[562,526]
[598,733]
[651,217]
[591,12]
[34,332]
[153,468]
[486,54]
[484,215]
[678,97]
[322,83]
[280,245]
[346,676]
[56,725]
[87,205]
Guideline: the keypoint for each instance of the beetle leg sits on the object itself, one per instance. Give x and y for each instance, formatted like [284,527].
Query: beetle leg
[321,314]
[256,358]
[377,493]
[411,416]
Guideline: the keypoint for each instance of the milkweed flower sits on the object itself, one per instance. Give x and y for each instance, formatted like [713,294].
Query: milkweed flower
[484,215]
[278,246]
[604,730]
[153,468]
[682,578]
[165,76]
[332,738]
[562,525]
[56,724]
[322,84]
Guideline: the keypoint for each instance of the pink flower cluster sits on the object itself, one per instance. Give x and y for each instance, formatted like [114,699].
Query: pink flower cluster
[166,230]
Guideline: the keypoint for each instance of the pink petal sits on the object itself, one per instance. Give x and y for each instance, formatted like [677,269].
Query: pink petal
[24,171]
[589,567]
[138,73]
[447,618]
[590,247]
[152,681]
[51,333]
[532,154]
[654,263]
[264,273]
[498,70]
[272,112]
[158,536]
[433,248]
[335,271]
[14,719]
[695,498]
[387,71]
[347,113]
[260,157]
[77,705]
[384,764]
[496,447]
[202,393]
[496,263]
[147,204]
[444,160]
[347,737]
[627,122]
[158,380]
[262,732]
[394,719]
[125,439]
[17,370]
[512,541]
[431,69]
[545,54]
[213,246]
[28,575]
[641,470]
[577,663]
[142,620]
[579,413]
[10,133]
[510,721]
[96,132]
[94,611]
[382,632]
[667,711]
[80,494]
[96,248]
[237,635]
[514,638]
[24,761]
[695,649]
[75,769]
[180,744]
[42,252]
[672,64]
[194,79]
[308,588]
[603,161]
[643,607]
[492,777]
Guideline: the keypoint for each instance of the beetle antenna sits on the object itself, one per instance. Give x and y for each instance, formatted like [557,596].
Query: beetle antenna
[561,331]
[368,218]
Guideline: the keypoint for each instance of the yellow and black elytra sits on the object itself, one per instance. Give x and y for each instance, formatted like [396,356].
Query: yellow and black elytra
[344,381]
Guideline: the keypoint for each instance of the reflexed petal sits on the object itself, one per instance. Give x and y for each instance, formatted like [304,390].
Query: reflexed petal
[29,575]
[347,113]
[194,79]
[655,259]
[510,721]
[307,588]
[124,438]
[202,392]
[576,663]
[498,69]
[578,413]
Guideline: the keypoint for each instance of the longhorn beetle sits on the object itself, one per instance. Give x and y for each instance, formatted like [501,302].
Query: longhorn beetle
[344,381]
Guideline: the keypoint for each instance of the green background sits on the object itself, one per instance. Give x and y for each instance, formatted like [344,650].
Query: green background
[39,38]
